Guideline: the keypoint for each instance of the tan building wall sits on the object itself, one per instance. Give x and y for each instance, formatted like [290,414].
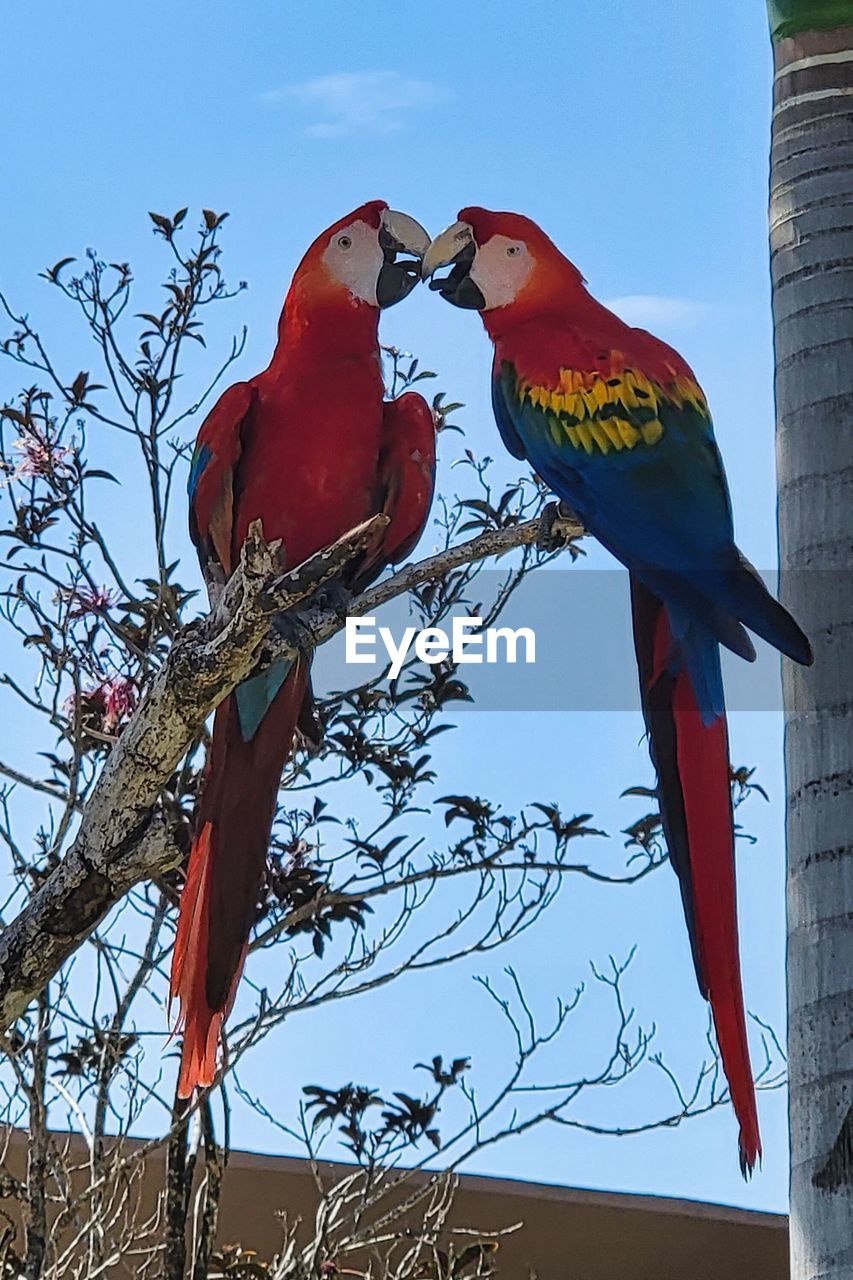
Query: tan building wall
[567,1234]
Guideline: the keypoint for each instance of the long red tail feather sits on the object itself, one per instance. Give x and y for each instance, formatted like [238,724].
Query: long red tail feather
[692,763]
[226,865]
[703,768]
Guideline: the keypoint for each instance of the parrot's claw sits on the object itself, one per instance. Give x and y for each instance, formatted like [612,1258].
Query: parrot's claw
[334,597]
[295,632]
[310,727]
[550,537]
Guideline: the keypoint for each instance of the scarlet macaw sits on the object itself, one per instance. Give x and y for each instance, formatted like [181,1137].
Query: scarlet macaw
[311,448]
[614,421]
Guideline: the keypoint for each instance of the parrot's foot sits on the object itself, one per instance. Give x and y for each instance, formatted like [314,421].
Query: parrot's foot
[334,597]
[310,727]
[295,632]
[294,626]
[550,536]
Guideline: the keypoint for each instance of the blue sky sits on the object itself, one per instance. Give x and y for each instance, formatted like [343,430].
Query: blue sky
[637,135]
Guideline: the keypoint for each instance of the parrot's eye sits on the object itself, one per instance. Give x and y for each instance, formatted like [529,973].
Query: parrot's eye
[513,250]
[344,242]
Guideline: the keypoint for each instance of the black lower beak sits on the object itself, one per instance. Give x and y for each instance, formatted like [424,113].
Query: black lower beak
[458,287]
[395,281]
[398,275]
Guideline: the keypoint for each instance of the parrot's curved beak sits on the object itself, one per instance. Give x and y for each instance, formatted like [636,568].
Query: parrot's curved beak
[455,247]
[403,242]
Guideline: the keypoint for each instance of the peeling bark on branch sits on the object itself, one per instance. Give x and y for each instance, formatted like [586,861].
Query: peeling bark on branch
[123,839]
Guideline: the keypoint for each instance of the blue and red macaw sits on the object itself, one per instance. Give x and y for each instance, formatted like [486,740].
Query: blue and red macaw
[615,423]
[311,448]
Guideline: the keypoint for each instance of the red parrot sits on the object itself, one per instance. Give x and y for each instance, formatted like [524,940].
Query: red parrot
[311,449]
[614,421]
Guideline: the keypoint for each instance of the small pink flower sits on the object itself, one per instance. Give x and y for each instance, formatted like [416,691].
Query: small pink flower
[120,700]
[85,600]
[104,706]
[68,705]
[38,456]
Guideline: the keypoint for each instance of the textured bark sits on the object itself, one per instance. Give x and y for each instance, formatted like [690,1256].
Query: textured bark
[35,1213]
[123,839]
[214,1171]
[178,1187]
[811,236]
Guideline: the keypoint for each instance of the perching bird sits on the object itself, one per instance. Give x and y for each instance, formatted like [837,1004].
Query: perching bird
[311,449]
[615,423]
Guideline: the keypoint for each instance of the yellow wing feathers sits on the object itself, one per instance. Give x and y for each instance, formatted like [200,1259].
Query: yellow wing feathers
[599,413]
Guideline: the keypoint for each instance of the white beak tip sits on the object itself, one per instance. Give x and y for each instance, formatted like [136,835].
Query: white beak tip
[407,231]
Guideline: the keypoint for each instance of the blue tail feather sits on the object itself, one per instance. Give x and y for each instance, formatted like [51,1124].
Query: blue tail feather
[256,694]
[698,650]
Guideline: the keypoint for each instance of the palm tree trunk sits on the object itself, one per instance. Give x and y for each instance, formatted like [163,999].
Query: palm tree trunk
[811,242]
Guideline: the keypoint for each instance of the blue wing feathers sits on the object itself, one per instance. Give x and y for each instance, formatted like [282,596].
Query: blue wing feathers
[503,417]
[201,457]
[664,511]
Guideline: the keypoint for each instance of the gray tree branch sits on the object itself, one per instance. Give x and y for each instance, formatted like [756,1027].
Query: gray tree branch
[123,837]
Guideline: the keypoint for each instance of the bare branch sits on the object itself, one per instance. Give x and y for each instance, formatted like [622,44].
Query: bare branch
[120,842]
